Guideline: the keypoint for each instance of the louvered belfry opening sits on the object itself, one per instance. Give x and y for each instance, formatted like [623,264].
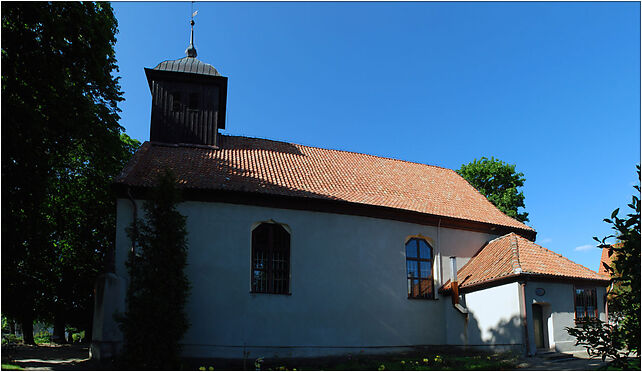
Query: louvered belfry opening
[188,102]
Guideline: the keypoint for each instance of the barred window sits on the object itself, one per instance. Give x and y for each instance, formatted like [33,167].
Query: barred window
[270,259]
[419,269]
[585,303]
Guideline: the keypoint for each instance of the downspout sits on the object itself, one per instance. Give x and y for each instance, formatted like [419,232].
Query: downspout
[134,228]
[454,287]
[441,264]
[522,294]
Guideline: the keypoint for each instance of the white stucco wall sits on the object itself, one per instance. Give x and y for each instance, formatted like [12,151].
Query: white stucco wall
[348,283]
[494,317]
[559,313]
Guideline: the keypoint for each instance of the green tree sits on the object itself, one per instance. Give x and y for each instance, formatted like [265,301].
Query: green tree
[155,320]
[82,217]
[621,336]
[625,271]
[61,146]
[499,183]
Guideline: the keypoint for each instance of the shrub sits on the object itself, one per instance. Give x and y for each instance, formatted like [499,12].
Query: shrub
[11,339]
[42,337]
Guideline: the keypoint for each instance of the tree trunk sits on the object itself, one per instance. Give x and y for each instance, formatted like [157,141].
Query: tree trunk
[27,329]
[12,327]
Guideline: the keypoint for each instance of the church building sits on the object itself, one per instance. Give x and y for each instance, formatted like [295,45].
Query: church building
[299,251]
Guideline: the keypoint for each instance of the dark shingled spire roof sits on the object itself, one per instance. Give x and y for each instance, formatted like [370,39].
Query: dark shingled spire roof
[189,65]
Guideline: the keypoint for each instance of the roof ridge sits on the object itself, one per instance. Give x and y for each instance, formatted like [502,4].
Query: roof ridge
[348,151]
[514,247]
[499,238]
[560,255]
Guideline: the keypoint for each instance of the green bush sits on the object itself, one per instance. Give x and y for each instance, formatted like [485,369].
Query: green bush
[43,337]
[78,337]
[11,339]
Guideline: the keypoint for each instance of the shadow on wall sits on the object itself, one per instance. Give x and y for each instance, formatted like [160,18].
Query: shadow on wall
[505,333]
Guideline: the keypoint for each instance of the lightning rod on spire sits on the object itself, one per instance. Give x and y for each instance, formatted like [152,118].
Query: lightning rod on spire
[191,50]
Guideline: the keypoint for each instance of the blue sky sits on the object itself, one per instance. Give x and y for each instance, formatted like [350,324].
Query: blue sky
[551,87]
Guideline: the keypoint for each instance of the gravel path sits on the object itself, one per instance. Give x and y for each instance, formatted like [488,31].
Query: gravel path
[49,357]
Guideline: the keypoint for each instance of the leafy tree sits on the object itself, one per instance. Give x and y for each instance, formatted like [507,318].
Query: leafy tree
[158,287]
[61,145]
[499,182]
[621,337]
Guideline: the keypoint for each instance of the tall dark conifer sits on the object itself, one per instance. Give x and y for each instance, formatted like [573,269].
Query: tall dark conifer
[155,320]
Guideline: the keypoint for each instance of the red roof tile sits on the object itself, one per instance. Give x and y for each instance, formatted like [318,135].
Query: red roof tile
[607,260]
[604,260]
[271,167]
[512,255]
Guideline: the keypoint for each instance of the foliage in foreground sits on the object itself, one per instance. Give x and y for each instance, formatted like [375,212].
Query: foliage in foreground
[155,320]
[631,365]
[621,337]
[61,147]
[601,340]
[418,362]
[499,183]
[11,367]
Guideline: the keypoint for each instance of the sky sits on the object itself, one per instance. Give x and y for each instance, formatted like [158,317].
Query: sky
[553,88]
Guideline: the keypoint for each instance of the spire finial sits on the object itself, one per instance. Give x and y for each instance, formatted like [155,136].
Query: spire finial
[191,50]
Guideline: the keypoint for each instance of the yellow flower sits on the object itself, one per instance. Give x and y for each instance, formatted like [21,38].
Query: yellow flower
[425,360]
[201,368]
[382,367]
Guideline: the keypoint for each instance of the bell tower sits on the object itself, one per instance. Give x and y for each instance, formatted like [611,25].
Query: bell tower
[188,100]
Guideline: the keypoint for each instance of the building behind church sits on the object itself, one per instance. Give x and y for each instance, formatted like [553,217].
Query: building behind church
[298,251]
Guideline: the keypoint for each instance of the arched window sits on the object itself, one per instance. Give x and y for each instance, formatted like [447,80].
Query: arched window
[270,259]
[419,269]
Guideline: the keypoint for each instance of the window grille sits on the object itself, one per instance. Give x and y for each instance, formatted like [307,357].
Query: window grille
[270,259]
[585,304]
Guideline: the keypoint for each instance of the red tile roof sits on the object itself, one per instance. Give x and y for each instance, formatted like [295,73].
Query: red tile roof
[280,168]
[512,255]
[606,259]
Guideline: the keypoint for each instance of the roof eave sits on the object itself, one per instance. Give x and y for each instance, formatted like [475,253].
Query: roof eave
[328,206]
[445,289]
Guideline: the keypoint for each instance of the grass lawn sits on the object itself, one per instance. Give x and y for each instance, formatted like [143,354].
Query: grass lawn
[406,362]
[11,367]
